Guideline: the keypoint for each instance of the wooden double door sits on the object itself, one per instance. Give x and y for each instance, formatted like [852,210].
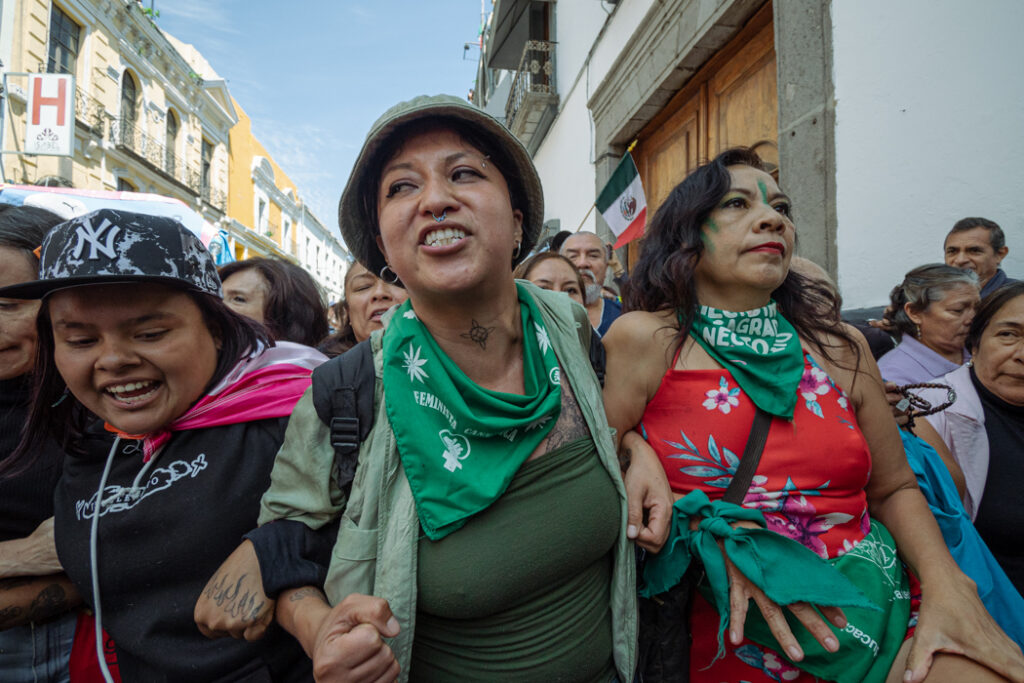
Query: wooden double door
[732,100]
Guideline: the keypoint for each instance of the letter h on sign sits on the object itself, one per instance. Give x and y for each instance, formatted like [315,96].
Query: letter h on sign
[50,128]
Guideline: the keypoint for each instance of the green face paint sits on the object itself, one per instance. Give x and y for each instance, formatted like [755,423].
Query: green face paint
[764,191]
[708,244]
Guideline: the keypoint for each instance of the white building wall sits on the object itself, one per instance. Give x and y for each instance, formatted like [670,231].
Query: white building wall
[564,159]
[929,102]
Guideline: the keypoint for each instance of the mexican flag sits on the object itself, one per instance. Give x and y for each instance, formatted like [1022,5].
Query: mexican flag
[622,202]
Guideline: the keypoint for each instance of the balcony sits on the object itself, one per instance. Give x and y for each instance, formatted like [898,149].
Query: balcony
[533,101]
[215,198]
[128,137]
[89,111]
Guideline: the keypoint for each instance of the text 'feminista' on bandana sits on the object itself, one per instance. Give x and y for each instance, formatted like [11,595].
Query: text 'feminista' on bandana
[761,351]
[462,444]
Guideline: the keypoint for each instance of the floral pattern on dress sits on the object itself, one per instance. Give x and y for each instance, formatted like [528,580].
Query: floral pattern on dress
[768,662]
[722,398]
[717,467]
[789,512]
[813,384]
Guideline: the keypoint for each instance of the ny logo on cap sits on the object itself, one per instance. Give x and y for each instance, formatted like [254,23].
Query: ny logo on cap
[86,233]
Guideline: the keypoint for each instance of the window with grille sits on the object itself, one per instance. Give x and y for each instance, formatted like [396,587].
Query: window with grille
[63,48]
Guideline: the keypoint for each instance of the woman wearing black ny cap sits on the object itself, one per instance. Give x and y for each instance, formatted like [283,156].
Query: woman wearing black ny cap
[136,342]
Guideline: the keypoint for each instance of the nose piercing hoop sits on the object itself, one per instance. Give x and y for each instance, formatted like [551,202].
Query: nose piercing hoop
[444,215]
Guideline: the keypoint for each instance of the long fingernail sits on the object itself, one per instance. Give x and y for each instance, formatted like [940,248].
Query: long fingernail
[908,675]
[794,653]
[631,531]
[831,644]
[734,637]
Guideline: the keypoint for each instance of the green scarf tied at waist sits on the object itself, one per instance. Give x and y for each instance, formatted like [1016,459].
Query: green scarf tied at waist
[868,582]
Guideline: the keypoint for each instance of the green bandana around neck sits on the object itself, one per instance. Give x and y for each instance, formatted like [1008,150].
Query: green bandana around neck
[462,444]
[760,350]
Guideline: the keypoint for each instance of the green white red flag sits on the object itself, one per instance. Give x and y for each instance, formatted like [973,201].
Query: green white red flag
[622,202]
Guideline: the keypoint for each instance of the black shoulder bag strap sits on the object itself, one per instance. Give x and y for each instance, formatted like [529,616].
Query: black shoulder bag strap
[751,457]
[343,394]
[664,643]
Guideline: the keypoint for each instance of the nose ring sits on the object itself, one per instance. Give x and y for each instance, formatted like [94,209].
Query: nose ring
[444,215]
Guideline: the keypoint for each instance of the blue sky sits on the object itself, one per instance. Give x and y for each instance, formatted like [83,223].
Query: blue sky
[313,75]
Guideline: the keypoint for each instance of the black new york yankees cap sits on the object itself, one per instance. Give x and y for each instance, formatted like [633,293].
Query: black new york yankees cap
[108,246]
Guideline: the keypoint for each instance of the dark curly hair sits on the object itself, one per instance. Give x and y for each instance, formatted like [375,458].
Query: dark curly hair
[663,278]
[294,309]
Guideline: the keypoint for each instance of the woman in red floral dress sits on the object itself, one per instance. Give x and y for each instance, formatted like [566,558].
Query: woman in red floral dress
[718,324]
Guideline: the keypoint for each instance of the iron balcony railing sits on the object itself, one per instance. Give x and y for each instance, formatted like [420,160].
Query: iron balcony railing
[126,135]
[89,110]
[536,75]
[214,197]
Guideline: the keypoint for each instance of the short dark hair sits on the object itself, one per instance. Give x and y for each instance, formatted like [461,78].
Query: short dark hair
[664,276]
[921,287]
[991,305]
[294,309]
[55,412]
[995,234]
[24,227]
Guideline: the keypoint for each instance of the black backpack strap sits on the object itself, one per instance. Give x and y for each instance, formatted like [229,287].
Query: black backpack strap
[343,392]
[740,483]
[591,341]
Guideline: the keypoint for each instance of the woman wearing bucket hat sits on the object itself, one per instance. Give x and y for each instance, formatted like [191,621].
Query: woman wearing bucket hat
[488,515]
[132,330]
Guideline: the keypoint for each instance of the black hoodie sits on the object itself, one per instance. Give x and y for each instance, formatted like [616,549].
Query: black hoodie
[158,547]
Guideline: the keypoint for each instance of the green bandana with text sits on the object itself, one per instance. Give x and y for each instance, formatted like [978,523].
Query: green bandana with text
[760,350]
[461,444]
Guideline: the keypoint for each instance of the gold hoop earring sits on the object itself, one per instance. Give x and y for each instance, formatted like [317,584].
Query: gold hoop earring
[390,280]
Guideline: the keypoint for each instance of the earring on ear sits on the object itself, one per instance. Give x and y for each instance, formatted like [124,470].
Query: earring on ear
[515,252]
[390,280]
[917,330]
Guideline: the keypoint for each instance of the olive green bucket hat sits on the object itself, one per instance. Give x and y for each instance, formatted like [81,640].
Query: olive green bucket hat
[357,220]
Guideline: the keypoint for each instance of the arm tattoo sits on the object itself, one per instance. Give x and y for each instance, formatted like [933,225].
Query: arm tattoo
[10,616]
[306,592]
[50,602]
[242,604]
[478,334]
[625,457]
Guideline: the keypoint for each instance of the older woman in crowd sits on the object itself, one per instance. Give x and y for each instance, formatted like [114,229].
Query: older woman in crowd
[931,311]
[719,329]
[197,398]
[551,270]
[984,428]
[365,300]
[279,295]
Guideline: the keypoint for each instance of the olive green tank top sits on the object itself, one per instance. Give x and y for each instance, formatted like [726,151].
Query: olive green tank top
[522,591]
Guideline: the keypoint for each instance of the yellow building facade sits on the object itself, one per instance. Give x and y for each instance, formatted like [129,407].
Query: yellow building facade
[152,115]
[144,119]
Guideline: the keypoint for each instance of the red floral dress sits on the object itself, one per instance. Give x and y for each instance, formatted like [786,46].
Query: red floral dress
[809,484]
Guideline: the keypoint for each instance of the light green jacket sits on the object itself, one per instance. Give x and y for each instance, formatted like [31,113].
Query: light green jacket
[376,550]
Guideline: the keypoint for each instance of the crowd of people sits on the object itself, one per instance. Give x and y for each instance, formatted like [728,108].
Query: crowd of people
[500,458]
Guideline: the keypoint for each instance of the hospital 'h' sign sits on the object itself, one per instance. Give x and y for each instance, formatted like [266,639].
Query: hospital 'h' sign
[50,120]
